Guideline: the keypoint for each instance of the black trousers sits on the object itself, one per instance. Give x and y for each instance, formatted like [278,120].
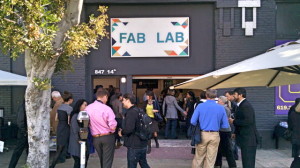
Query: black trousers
[225,147]
[296,162]
[248,156]
[60,152]
[296,155]
[135,156]
[77,161]
[22,144]
[119,125]
[105,147]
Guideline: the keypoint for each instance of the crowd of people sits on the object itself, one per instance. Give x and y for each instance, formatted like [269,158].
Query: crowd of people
[224,123]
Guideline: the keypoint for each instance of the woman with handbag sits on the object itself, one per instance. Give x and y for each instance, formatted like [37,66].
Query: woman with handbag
[151,108]
[170,107]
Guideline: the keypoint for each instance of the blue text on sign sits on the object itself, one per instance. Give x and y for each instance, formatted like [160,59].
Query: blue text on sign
[141,37]
[170,38]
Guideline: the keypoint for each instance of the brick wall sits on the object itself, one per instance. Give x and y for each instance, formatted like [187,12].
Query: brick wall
[5,101]
[5,91]
[4,62]
[237,47]
[74,82]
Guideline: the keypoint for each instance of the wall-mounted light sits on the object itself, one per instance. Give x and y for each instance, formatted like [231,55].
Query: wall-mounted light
[1,112]
[123,80]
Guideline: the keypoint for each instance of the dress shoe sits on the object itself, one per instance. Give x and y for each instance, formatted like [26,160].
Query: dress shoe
[119,144]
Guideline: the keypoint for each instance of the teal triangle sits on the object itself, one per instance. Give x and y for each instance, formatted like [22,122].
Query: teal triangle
[113,29]
[113,51]
[115,24]
[177,24]
[183,53]
[126,54]
[184,24]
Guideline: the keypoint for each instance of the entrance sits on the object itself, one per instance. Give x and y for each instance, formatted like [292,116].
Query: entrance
[106,81]
[111,83]
[160,85]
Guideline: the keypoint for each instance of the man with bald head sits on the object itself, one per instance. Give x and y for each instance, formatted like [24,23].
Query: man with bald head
[56,97]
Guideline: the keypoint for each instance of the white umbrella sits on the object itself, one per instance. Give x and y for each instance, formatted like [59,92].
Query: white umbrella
[11,79]
[278,66]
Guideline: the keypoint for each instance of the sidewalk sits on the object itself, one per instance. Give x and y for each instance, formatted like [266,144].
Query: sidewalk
[171,154]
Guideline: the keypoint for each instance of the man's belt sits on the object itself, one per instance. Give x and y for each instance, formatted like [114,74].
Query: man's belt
[99,135]
[209,131]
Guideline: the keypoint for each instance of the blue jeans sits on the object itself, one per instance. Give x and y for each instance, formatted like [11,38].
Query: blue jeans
[135,156]
[171,125]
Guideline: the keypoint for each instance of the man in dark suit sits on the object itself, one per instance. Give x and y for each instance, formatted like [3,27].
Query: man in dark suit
[22,137]
[245,128]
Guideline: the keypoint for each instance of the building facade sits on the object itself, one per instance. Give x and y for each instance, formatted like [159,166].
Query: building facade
[220,33]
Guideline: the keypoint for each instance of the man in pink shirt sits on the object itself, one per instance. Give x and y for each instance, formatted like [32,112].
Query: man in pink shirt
[102,126]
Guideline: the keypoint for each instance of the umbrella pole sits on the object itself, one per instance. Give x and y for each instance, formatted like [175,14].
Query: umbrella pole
[270,82]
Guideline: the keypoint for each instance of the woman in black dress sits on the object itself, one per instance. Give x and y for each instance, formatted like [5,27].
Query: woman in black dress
[74,142]
[63,128]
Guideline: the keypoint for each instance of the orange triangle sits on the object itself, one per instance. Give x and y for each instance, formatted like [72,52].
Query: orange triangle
[170,52]
[184,26]
[173,53]
[116,20]
[116,48]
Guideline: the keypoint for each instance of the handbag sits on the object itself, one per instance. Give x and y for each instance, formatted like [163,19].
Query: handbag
[195,134]
[158,117]
[287,134]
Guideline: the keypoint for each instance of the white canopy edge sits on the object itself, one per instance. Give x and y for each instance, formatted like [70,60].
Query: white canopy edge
[11,79]
[287,54]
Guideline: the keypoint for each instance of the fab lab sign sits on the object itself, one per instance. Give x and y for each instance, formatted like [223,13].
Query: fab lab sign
[149,37]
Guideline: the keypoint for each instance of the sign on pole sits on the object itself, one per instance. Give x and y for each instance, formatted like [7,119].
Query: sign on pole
[150,37]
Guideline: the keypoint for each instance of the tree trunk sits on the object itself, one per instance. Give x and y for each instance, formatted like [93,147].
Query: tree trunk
[38,111]
[38,101]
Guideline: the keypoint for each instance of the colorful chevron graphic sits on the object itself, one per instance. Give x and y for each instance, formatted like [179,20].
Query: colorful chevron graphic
[185,24]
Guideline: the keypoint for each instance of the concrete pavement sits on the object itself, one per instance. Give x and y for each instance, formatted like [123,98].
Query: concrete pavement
[171,154]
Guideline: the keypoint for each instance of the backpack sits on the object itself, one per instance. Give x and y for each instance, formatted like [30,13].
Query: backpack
[144,131]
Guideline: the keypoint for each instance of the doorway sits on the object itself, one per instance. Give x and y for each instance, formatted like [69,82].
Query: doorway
[106,81]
